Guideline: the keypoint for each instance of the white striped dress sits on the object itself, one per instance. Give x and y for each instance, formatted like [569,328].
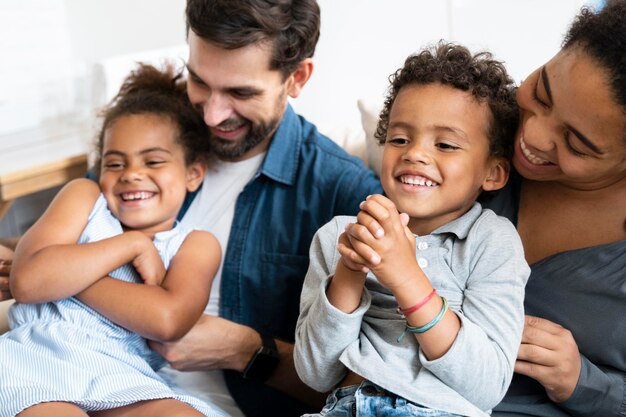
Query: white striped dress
[66,351]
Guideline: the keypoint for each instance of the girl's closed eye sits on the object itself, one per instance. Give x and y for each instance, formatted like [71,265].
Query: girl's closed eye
[447,146]
[398,141]
[113,165]
[155,163]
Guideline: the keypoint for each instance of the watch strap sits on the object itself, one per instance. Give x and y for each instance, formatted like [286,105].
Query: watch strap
[264,361]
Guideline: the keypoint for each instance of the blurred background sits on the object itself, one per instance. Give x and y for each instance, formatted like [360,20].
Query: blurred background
[63,59]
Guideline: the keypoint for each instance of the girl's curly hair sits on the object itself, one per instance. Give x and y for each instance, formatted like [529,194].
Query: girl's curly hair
[483,77]
[148,90]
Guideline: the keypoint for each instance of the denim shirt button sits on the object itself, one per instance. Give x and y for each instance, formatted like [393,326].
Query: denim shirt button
[423,263]
[422,246]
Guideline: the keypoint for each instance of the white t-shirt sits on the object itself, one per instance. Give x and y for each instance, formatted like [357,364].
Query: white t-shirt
[213,210]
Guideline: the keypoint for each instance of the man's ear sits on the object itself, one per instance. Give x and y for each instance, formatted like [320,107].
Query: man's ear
[195,175]
[299,77]
[498,174]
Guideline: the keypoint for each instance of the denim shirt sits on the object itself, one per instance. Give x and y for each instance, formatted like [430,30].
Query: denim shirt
[305,180]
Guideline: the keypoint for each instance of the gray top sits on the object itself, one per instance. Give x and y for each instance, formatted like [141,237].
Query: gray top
[477,263]
[584,291]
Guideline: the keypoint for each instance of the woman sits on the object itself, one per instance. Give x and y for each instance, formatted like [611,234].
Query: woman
[568,204]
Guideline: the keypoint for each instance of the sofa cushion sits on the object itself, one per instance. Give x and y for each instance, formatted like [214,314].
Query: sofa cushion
[369,119]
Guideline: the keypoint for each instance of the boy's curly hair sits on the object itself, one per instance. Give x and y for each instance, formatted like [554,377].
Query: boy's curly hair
[148,90]
[484,78]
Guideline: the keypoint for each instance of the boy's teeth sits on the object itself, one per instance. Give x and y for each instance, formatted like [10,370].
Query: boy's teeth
[418,181]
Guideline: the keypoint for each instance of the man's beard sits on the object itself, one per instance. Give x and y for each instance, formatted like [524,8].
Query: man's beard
[227,149]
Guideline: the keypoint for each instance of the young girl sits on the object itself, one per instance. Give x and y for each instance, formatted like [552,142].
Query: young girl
[425,319]
[118,248]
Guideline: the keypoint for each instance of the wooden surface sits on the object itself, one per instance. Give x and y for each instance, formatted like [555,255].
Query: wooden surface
[41,158]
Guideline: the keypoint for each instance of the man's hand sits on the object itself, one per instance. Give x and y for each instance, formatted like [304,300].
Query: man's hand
[6,259]
[549,354]
[213,343]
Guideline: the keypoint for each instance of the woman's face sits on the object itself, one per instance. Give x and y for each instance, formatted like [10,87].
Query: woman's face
[572,129]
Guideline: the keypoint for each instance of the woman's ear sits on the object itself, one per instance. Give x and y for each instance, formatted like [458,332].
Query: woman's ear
[498,174]
[195,175]
[299,77]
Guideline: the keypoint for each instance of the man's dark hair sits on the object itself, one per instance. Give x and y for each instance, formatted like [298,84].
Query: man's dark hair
[454,65]
[291,27]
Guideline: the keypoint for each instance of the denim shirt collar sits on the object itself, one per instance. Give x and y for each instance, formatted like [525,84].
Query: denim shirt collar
[281,161]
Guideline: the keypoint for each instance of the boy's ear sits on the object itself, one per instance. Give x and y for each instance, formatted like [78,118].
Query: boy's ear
[299,77]
[195,175]
[498,174]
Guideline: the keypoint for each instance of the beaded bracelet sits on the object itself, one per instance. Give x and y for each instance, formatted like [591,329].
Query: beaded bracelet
[427,326]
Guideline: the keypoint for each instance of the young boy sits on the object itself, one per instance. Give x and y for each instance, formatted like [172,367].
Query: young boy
[437,332]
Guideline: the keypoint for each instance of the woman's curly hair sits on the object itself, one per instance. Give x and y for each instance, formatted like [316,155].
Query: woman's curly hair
[148,90]
[483,77]
[603,36]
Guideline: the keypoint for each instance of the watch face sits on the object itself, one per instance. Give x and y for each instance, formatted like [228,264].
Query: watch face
[262,364]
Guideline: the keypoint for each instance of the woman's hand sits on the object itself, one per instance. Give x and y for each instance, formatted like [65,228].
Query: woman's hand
[549,354]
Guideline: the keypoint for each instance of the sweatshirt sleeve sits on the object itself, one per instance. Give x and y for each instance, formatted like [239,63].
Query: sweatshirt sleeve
[480,363]
[322,331]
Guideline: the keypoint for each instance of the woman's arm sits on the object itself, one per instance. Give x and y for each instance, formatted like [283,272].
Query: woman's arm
[166,312]
[601,391]
[50,265]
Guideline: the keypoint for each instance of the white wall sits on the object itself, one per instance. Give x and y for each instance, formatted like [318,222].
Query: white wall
[364,41]
[49,46]
[49,49]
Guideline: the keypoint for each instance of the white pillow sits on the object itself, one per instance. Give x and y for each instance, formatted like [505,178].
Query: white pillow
[369,119]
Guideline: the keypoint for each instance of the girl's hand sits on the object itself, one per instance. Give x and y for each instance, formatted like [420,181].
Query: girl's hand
[148,263]
[549,354]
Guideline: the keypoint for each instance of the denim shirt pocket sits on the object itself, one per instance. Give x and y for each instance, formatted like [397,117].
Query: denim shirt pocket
[282,284]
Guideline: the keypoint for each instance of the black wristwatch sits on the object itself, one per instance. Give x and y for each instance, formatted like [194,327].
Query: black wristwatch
[264,361]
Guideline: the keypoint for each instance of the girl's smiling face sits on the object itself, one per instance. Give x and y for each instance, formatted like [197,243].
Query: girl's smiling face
[144,177]
[436,158]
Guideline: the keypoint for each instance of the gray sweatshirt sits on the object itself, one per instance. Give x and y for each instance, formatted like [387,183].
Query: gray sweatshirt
[477,263]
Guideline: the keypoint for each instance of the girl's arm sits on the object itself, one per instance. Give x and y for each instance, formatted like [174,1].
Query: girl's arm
[166,312]
[48,263]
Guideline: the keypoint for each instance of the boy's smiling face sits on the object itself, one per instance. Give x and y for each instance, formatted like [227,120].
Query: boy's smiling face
[436,158]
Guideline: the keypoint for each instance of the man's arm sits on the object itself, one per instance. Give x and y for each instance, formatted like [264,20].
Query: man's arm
[217,343]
